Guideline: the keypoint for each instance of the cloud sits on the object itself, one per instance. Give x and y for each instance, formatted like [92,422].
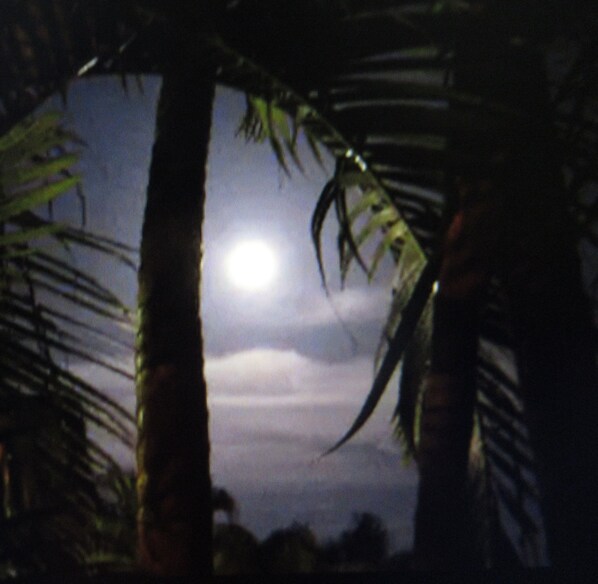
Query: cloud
[298,308]
[285,395]
[275,412]
[353,306]
[271,376]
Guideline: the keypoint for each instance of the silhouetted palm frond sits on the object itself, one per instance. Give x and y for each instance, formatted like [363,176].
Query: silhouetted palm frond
[375,85]
[50,463]
[44,45]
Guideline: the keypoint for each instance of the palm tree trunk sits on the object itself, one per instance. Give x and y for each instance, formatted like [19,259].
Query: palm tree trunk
[539,265]
[443,540]
[173,482]
[555,347]
[556,353]
[538,262]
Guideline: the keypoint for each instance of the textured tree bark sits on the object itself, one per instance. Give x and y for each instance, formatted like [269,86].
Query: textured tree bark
[173,482]
[443,538]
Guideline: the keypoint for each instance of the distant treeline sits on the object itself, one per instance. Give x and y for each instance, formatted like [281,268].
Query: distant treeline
[361,547]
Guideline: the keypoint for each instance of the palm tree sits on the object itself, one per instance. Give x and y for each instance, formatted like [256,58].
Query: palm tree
[416,121]
[49,466]
[173,450]
[425,110]
[175,516]
[536,260]
[173,446]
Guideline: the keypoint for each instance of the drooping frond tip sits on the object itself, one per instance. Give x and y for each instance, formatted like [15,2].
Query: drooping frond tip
[410,318]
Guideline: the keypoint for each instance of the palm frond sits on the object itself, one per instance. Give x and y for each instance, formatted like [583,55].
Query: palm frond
[373,86]
[342,112]
[47,409]
[410,316]
[45,45]
[378,90]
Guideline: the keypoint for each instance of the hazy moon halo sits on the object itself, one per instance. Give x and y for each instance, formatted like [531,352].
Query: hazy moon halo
[251,265]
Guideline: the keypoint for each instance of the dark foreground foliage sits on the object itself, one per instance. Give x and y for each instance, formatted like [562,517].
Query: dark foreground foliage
[363,547]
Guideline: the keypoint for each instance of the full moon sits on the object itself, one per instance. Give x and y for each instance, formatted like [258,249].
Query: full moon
[251,265]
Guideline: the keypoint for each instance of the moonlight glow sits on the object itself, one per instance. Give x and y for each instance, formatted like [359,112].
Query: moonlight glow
[251,265]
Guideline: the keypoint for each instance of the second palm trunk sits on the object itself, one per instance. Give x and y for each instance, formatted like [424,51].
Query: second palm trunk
[173,484]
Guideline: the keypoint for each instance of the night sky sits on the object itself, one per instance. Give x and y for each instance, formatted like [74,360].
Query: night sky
[287,367]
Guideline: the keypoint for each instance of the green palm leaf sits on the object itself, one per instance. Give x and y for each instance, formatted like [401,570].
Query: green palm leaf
[370,86]
[376,92]
[45,408]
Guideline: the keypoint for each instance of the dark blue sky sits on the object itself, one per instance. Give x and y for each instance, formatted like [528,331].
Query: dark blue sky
[285,377]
